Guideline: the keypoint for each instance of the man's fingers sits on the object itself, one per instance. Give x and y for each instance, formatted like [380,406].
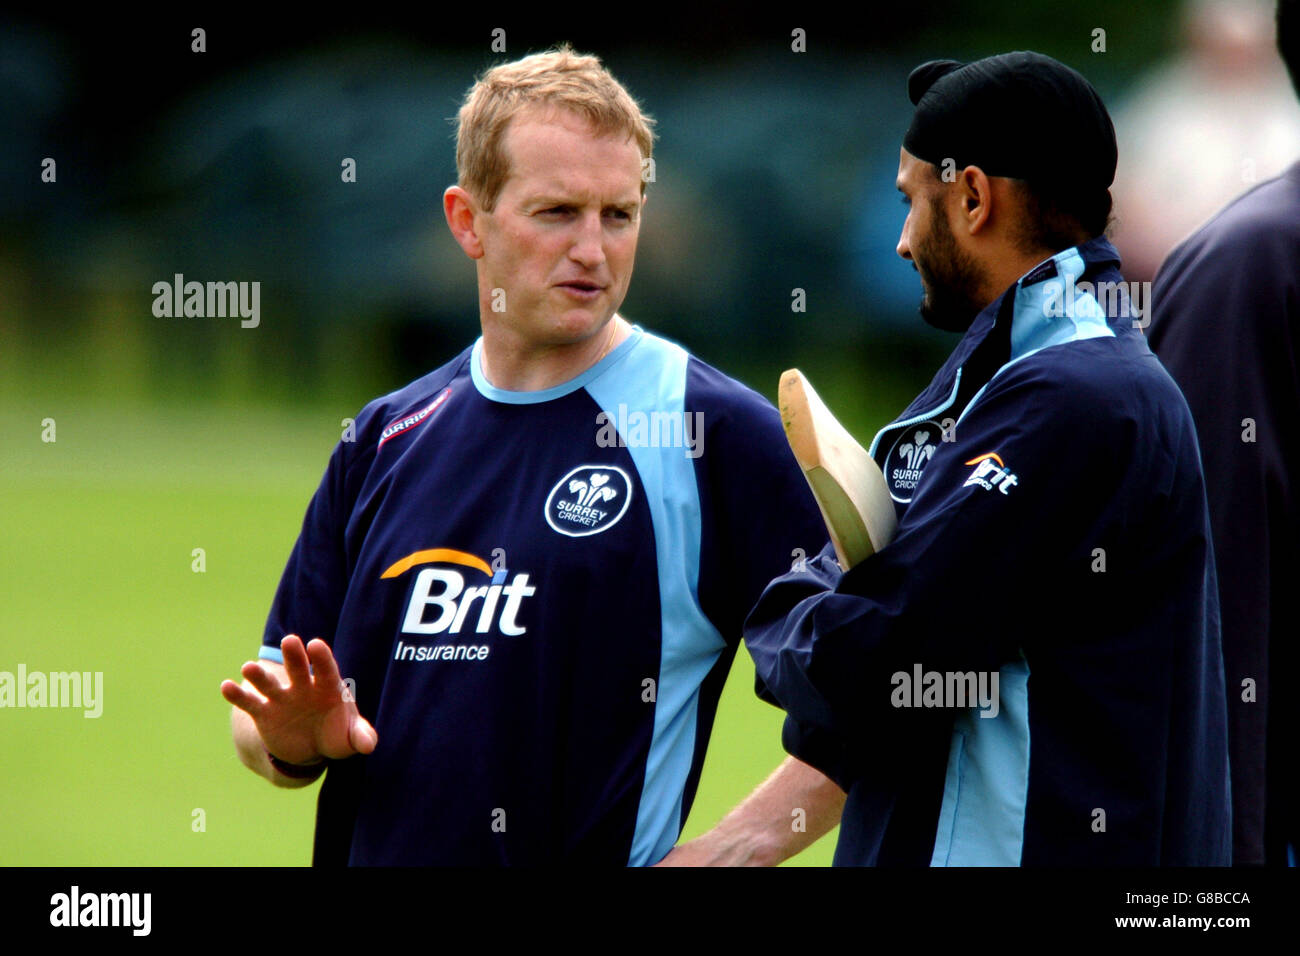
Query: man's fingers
[295,660]
[362,736]
[267,684]
[242,697]
[323,666]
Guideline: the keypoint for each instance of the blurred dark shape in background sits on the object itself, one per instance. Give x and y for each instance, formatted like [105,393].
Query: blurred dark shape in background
[774,172]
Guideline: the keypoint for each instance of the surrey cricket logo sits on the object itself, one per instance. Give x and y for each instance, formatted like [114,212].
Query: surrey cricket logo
[906,461]
[588,500]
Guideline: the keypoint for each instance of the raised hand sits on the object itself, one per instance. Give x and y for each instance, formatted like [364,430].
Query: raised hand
[304,714]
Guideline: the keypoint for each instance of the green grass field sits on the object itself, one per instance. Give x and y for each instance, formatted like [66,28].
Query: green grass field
[98,530]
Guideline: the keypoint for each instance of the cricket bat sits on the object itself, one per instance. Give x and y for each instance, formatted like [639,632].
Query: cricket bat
[845,480]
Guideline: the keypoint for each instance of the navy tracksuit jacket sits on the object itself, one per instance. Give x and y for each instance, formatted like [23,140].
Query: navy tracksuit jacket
[1225,321]
[1053,534]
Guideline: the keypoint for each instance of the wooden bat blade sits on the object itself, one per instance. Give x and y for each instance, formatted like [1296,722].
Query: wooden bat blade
[844,478]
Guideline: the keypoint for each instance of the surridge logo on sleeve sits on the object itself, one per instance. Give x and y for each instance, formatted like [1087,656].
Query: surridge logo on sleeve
[588,500]
[906,461]
[405,424]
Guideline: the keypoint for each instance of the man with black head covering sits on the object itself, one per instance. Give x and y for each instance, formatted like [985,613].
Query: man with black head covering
[1030,672]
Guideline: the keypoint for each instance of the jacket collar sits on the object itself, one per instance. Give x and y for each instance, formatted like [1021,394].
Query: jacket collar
[1045,295]
[1045,306]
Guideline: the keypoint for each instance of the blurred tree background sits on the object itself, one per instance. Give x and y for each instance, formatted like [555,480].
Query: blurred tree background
[774,171]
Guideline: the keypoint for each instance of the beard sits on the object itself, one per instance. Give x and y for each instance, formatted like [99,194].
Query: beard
[950,278]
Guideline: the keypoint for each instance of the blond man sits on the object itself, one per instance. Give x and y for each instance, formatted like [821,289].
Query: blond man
[505,626]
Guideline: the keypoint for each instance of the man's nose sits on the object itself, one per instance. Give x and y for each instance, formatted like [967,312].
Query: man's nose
[588,245]
[904,248]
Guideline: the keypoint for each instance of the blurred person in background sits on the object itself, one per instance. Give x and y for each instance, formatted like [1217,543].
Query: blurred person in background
[1226,323]
[1201,130]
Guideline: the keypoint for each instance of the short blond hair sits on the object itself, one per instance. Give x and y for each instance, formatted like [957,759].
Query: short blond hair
[558,78]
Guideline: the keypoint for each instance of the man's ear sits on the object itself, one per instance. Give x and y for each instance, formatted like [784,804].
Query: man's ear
[976,191]
[461,210]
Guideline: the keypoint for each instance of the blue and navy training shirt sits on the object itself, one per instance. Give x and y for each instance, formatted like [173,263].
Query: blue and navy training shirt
[538,596]
[1053,534]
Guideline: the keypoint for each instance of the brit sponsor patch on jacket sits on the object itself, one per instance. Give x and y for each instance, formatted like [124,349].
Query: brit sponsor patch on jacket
[991,472]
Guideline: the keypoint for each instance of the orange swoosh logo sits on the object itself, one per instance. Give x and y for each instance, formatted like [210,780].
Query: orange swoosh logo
[991,454]
[444,555]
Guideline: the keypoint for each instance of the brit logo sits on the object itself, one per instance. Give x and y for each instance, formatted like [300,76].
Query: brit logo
[912,450]
[588,500]
[991,473]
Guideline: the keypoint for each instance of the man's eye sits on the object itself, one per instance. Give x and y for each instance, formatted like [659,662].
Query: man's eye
[619,214]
